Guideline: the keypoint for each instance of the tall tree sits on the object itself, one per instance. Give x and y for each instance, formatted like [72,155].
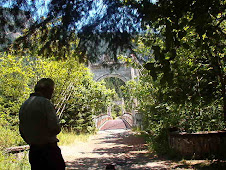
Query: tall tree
[173,21]
[100,26]
[109,26]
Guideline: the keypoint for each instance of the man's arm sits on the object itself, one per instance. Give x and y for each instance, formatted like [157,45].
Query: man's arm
[21,125]
[52,119]
[22,134]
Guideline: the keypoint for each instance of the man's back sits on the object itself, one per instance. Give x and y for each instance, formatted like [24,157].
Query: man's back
[39,126]
[38,121]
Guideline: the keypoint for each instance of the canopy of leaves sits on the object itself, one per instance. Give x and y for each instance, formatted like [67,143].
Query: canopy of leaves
[101,26]
[76,93]
[115,83]
[110,24]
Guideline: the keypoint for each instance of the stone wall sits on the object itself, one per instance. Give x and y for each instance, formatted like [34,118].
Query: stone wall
[199,145]
[100,72]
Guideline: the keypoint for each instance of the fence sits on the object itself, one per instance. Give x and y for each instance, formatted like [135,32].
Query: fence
[132,120]
[128,119]
[101,119]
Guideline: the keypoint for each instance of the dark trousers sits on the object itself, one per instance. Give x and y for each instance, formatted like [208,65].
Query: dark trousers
[46,156]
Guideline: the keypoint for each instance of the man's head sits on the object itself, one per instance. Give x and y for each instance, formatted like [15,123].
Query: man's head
[45,87]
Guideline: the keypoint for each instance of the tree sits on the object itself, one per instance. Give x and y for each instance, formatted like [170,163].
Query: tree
[106,28]
[116,23]
[194,25]
[77,97]
[114,83]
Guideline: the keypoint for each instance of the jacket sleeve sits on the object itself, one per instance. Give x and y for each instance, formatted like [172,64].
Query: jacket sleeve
[21,130]
[22,134]
[52,119]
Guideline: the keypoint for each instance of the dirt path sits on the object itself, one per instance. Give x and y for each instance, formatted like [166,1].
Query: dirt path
[119,147]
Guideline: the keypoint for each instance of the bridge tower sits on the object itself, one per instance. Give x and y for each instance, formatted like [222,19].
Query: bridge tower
[110,69]
[121,70]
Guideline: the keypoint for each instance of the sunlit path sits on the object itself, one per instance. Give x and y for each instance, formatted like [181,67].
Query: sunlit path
[120,147]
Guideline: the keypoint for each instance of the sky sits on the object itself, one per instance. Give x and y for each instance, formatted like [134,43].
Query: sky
[42,10]
[42,6]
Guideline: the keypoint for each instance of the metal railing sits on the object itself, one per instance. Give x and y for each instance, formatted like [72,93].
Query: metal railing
[132,120]
[128,119]
[101,119]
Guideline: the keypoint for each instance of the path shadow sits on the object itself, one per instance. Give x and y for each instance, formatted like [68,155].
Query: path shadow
[121,163]
[212,165]
[125,150]
[129,152]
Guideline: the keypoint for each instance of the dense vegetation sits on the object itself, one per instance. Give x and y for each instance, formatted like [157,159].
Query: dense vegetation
[182,86]
[77,98]
[75,91]
[178,45]
[115,83]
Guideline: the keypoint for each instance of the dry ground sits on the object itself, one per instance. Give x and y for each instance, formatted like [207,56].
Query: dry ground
[123,149]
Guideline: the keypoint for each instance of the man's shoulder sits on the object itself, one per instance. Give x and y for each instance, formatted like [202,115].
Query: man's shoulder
[36,103]
[37,100]
[41,98]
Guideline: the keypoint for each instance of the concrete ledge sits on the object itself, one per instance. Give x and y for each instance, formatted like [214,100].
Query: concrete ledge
[17,149]
[198,145]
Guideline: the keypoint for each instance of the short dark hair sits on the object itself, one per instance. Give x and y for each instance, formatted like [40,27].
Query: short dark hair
[44,84]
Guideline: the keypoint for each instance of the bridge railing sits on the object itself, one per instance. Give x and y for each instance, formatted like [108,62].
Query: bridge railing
[101,119]
[128,119]
[132,119]
[138,120]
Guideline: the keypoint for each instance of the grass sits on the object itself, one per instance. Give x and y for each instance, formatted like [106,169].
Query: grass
[12,162]
[10,137]
[70,137]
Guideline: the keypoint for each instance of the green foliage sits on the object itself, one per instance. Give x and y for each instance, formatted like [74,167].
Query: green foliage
[183,85]
[175,106]
[10,161]
[89,99]
[76,97]
[130,92]
[115,83]
[116,111]
[14,86]
[73,81]
[183,88]
[187,95]
[9,137]
[63,22]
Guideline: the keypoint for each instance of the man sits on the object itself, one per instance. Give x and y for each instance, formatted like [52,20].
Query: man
[39,126]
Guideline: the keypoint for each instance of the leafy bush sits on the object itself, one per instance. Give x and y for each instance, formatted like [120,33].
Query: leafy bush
[73,82]
[116,111]
[9,136]
[89,99]
[10,161]
[185,94]
[77,96]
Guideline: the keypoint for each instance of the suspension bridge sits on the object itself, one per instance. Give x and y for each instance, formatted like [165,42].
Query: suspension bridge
[100,71]
[125,73]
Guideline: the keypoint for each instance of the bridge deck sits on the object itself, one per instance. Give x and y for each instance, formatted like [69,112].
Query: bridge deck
[114,124]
